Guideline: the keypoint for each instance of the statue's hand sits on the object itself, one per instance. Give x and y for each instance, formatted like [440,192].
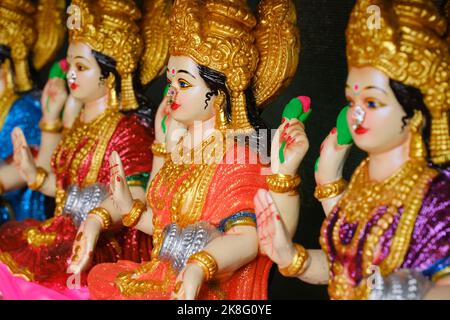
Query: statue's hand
[84,245]
[120,191]
[23,159]
[72,109]
[293,133]
[53,98]
[332,159]
[188,283]
[274,240]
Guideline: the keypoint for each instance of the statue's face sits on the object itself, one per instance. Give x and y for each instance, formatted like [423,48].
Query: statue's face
[375,116]
[84,76]
[188,100]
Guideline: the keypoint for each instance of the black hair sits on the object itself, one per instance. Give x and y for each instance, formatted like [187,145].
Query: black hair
[411,99]
[5,53]
[216,81]
[109,66]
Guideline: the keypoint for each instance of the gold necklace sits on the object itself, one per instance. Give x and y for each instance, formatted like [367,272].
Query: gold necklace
[94,135]
[404,189]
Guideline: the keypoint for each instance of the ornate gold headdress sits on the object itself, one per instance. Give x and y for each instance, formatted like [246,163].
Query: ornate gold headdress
[26,31]
[109,27]
[17,32]
[224,35]
[155,28]
[50,26]
[410,47]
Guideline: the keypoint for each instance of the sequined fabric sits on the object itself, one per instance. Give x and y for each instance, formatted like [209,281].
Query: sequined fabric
[25,113]
[430,240]
[48,262]
[231,190]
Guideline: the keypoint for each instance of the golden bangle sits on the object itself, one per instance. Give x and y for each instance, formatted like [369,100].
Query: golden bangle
[330,190]
[41,175]
[104,215]
[206,262]
[281,183]
[132,218]
[55,127]
[298,262]
[2,188]
[159,149]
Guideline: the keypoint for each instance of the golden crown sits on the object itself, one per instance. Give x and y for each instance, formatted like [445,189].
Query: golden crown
[155,33]
[26,30]
[225,36]
[409,46]
[109,27]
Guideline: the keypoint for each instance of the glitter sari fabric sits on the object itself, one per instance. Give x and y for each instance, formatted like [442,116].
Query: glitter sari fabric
[24,203]
[43,259]
[428,249]
[230,189]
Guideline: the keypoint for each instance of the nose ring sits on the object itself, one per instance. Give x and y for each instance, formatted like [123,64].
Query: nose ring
[358,117]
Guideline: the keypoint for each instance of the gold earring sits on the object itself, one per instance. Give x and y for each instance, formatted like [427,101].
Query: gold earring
[417,149]
[112,95]
[221,118]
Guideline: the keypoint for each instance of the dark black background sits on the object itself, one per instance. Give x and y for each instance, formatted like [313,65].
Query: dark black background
[321,75]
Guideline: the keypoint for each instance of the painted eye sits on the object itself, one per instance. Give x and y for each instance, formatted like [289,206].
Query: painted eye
[373,104]
[184,84]
[80,67]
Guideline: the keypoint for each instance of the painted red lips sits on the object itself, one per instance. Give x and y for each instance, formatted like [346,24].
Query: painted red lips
[73,86]
[361,130]
[174,106]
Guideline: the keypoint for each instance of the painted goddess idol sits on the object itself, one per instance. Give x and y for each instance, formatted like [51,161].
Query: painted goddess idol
[28,33]
[387,232]
[199,206]
[103,56]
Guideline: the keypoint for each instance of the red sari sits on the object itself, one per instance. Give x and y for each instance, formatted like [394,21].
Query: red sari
[215,192]
[38,251]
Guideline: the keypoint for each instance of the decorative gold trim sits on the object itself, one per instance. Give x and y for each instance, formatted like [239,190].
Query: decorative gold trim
[55,127]
[242,221]
[298,262]
[330,190]
[132,218]
[159,149]
[41,176]
[281,183]
[14,268]
[207,262]
[37,238]
[104,215]
[6,102]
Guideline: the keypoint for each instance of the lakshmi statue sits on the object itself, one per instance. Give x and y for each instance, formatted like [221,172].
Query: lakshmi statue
[27,33]
[199,208]
[103,57]
[387,232]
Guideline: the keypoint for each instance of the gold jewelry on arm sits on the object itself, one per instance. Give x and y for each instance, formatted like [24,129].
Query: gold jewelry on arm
[330,190]
[41,175]
[54,127]
[159,149]
[206,262]
[298,262]
[282,183]
[104,215]
[132,218]
[2,188]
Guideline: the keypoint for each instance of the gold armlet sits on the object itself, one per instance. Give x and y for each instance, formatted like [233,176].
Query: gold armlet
[298,262]
[330,190]
[159,149]
[104,215]
[41,175]
[55,127]
[132,218]
[206,262]
[281,183]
